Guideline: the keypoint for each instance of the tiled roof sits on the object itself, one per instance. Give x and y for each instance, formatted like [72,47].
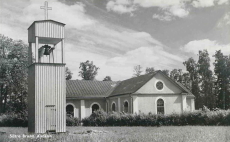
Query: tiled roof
[132,85]
[84,88]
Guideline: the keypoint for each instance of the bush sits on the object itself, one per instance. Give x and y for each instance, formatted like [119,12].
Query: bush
[101,118]
[14,119]
[21,120]
[72,121]
[97,118]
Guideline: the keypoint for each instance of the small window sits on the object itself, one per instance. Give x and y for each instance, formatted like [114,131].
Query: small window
[69,110]
[113,107]
[126,105]
[160,106]
[159,85]
[95,107]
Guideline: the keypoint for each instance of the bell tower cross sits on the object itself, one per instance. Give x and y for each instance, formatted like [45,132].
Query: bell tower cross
[46,8]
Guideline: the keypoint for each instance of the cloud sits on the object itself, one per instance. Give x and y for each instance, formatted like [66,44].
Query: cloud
[162,17]
[220,2]
[179,11]
[209,45]
[203,3]
[146,57]
[171,8]
[224,21]
[120,7]
[208,3]
[174,8]
[13,32]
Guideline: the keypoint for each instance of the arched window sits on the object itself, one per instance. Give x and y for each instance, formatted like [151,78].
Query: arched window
[126,105]
[160,106]
[95,107]
[70,110]
[113,107]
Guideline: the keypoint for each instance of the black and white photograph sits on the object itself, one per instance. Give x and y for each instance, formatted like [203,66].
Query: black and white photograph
[115,70]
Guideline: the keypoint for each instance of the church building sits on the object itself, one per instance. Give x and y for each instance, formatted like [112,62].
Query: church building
[154,92]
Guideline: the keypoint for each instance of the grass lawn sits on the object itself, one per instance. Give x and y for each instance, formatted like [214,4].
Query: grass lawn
[122,134]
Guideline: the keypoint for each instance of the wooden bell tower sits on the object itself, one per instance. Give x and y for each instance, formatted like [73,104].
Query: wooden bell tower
[47,84]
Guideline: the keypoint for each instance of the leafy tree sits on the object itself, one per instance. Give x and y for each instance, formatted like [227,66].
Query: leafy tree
[13,74]
[191,67]
[88,70]
[206,79]
[137,70]
[221,70]
[166,72]
[149,70]
[186,80]
[107,78]
[68,74]
[176,74]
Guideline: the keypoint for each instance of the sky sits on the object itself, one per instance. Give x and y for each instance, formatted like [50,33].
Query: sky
[120,34]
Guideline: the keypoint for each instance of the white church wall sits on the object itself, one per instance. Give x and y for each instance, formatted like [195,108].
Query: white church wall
[190,104]
[172,103]
[150,86]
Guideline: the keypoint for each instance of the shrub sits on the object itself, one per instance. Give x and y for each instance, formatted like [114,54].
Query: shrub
[72,121]
[14,119]
[97,118]
[100,118]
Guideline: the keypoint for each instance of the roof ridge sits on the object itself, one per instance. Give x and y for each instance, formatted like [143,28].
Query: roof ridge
[152,74]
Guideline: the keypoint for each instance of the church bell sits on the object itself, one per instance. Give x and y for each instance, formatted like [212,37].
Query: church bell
[47,49]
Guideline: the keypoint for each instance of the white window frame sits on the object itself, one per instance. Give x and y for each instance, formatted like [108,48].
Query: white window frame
[156,85]
[156,104]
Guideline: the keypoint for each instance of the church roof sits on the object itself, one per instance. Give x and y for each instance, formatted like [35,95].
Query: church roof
[132,85]
[84,88]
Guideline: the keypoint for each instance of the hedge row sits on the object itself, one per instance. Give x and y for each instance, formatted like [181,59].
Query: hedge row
[14,119]
[101,118]
[21,120]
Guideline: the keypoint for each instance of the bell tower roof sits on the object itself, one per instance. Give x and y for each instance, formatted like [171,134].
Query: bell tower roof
[48,31]
[40,21]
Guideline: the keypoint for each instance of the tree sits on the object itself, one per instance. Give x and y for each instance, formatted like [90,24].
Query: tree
[68,74]
[149,70]
[137,70]
[88,70]
[221,69]
[107,78]
[176,75]
[13,74]
[191,67]
[206,79]
[166,72]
